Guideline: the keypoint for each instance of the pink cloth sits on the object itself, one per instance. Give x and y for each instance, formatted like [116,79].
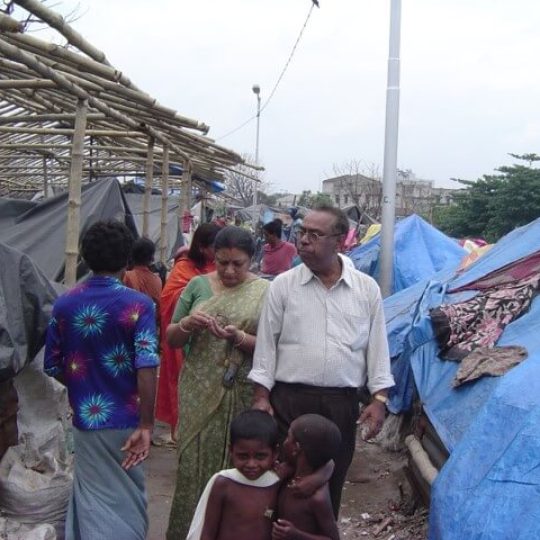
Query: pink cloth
[278,259]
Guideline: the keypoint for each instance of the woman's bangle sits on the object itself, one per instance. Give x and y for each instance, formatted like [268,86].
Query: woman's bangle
[183,328]
[242,339]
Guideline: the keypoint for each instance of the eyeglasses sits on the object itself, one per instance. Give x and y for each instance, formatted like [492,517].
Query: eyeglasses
[313,236]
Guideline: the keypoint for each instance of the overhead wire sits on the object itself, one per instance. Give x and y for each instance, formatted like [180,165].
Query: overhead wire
[283,71]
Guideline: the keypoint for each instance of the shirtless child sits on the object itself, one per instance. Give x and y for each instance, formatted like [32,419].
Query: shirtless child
[311,442]
[239,503]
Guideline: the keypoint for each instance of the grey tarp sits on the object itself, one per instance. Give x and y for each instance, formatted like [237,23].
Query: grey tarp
[26,299]
[40,230]
[174,233]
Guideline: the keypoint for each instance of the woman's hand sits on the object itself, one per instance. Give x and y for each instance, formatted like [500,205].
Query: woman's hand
[197,321]
[229,332]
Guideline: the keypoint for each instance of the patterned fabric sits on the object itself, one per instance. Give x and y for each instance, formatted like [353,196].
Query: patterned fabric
[172,359]
[207,406]
[460,328]
[100,333]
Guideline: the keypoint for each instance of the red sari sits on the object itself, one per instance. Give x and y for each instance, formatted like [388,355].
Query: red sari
[172,359]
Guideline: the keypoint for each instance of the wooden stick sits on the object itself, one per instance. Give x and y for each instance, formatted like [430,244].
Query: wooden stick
[8,24]
[57,22]
[62,131]
[149,177]
[164,205]
[25,118]
[74,201]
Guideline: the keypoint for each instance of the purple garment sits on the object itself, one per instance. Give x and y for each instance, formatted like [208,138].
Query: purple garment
[100,333]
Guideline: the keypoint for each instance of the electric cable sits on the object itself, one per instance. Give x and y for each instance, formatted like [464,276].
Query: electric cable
[283,71]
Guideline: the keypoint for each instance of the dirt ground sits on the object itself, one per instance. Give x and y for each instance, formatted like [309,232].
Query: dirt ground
[377,502]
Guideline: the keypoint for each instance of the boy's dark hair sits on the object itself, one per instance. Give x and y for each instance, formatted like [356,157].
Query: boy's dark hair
[318,437]
[274,227]
[143,252]
[232,237]
[254,424]
[341,226]
[204,236]
[106,246]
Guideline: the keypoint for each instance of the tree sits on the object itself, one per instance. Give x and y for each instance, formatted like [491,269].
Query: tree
[310,200]
[495,204]
[241,188]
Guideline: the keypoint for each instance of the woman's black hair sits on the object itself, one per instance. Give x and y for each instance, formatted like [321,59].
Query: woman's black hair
[235,238]
[318,437]
[143,252]
[106,246]
[274,227]
[204,236]
[256,425]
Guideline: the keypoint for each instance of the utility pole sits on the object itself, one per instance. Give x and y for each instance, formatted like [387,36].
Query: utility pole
[386,276]
[257,91]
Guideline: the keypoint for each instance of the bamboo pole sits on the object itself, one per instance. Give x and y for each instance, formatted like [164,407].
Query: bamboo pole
[63,131]
[149,178]
[74,201]
[164,205]
[68,117]
[8,24]
[185,194]
[45,178]
[57,22]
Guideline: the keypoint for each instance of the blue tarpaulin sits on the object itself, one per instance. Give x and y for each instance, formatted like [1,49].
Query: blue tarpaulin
[490,486]
[420,251]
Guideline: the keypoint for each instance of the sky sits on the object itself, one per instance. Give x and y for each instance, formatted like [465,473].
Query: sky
[469,79]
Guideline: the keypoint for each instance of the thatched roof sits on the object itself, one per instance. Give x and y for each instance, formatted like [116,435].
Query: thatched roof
[41,84]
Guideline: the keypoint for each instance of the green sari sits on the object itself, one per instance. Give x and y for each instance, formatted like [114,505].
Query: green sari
[206,406]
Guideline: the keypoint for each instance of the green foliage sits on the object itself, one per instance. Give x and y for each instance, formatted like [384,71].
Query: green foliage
[495,204]
[310,200]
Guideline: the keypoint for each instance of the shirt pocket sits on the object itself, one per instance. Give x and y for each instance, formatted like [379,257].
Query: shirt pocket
[353,330]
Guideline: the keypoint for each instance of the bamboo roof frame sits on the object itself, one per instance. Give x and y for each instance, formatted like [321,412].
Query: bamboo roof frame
[41,86]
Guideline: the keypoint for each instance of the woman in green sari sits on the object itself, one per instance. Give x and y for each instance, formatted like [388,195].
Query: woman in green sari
[215,321]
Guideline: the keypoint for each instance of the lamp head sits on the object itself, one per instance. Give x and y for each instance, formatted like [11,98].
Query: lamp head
[256,89]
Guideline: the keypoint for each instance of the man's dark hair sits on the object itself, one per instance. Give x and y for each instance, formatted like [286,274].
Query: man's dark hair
[204,236]
[106,246]
[318,437]
[254,424]
[274,227]
[341,226]
[235,238]
[143,252]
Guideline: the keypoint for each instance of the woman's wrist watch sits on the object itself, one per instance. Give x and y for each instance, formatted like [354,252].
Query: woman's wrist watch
[382,398]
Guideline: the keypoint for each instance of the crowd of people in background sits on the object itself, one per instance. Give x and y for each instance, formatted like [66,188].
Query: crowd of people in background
[261,364]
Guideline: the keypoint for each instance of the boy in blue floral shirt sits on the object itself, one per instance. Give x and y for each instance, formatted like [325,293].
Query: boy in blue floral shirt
[102,344]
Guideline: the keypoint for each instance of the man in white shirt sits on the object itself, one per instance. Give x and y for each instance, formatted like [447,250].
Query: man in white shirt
[321,337]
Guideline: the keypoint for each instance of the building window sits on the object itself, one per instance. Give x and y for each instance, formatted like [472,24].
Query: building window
[337,199]
[345,199]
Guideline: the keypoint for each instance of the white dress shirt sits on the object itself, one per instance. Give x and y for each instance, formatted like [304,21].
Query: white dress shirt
[317,336]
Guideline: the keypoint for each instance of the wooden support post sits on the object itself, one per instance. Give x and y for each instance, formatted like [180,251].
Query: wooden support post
[45,178]
[184,206]
[164,205]
[149,180]
[203,206]
[74,201]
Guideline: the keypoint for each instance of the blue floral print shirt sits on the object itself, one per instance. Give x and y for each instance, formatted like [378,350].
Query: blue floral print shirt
[100,333]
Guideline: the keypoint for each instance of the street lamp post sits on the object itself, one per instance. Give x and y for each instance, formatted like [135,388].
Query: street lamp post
[257,91]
